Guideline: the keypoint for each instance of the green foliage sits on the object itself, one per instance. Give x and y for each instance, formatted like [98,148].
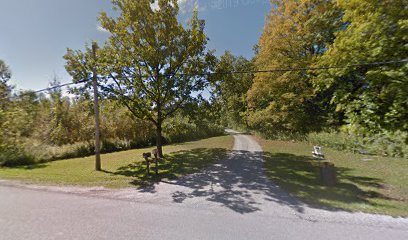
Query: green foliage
[369,103]
[393,144]
[384,144]
[9,152]
[182,128]
[117,123]
[5,89]
[295,34]
[43,152]
[230,90]
[14,156]
[336,140]
[373,98]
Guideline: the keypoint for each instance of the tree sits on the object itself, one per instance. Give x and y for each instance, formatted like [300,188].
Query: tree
[5,73]
[7,115]
[295,34]
[5,89]
[230,90]
[373,98]
[150,61]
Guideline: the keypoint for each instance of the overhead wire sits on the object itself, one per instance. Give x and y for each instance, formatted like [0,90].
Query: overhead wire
[243,72]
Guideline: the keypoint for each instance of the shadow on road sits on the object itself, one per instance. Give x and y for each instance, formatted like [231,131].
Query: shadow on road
[241,182]
[238,183]
[173,166]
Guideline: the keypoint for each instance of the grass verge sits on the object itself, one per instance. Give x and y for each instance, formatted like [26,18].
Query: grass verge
[365,183]
[124,169]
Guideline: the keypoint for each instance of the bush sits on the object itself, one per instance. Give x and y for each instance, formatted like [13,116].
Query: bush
[393,144]
[14,156]
[280,135]
[44,153]
[109,146]
[180,129]
[142,143]
[336,140]
[386,144]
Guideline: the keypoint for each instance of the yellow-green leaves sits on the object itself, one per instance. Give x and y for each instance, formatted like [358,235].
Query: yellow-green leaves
[150,58]
[295,35]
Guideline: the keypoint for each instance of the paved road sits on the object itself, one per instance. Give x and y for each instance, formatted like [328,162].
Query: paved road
[231,200]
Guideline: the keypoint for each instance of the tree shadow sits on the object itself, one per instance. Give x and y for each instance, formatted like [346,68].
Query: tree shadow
[171,167]
[245,181]
[300,175]
[238,183]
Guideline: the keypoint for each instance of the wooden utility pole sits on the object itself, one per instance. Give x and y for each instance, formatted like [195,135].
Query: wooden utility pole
[96,110]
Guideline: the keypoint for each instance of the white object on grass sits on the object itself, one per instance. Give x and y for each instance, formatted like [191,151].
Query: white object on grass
[317,152]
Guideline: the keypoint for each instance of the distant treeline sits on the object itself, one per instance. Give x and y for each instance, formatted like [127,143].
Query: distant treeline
[43,127]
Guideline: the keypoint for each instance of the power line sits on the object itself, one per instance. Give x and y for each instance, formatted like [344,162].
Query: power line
[302,69]
[52,88]
[245,72]
[60,86]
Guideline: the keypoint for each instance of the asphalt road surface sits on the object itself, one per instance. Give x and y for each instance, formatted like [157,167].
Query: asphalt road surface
[231,200]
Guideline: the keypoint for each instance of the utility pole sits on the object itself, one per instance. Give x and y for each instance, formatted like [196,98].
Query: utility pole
[96,110]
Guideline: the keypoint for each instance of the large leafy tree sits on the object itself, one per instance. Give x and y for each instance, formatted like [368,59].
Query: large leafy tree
[373,98]
[150,61]
[295,34]
[230,90]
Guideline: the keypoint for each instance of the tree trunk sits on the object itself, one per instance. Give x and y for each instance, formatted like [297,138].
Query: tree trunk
[159,143]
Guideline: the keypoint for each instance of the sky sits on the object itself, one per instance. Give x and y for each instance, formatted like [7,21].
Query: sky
[36,33]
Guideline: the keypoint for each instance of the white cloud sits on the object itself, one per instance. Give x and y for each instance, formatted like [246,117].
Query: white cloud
[101,29]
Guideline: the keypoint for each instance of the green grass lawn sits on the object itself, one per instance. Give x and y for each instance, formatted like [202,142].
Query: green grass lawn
[366,183]
[125,169]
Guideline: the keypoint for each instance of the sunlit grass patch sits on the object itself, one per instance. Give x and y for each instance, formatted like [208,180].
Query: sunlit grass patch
[371,184]
[124,169]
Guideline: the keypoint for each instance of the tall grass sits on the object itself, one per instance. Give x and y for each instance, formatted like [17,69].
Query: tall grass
[15,155]
[190,132]
[393,144]
[33,151]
